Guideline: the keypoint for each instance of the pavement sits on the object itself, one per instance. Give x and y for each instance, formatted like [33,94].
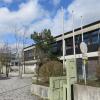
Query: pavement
[14,88]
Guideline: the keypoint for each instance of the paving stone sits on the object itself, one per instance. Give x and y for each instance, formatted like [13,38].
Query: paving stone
[15,88]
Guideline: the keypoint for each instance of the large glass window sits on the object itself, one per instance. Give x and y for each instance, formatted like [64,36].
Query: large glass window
[92,40]
[99,37]
[78,40]
[54,49]
[69,46]
[28,55]
[57,48]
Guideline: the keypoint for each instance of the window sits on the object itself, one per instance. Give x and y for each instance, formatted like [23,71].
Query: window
[54,49]
[92,40]
[78,40]
[28,55]
[59,48]
[69,46]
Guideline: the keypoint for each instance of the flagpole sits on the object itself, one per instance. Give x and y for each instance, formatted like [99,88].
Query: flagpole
[82,28]
[74,49]
[73,36]
[63,40]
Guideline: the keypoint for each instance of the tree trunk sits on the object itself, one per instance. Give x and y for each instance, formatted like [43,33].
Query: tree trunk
[6,70]
[37,74]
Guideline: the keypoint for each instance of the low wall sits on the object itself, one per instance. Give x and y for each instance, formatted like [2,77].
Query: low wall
[53,92]
[82,92]
[39,90]
[56,87]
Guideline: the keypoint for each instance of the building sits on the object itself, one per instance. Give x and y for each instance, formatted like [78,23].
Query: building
[14,60]
[91,36]
[29,59]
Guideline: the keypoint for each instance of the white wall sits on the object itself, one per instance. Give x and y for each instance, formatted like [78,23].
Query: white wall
[30,68]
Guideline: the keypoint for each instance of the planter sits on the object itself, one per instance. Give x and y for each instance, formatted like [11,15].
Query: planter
[39,90]
[82,92]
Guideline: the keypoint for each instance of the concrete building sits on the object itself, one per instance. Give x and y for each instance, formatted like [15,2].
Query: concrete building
[29,59]
[91,36]
[14,60]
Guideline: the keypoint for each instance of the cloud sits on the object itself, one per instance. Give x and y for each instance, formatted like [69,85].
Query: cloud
[13,21]
[56,2]
[27,13]
[32,12]
[54,24]
[7,1]
[88,9]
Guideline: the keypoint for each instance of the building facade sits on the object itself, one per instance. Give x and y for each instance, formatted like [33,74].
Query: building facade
[30,60]
[91,36]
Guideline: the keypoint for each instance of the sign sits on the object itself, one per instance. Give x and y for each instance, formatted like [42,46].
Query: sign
[84,56]
[83,47]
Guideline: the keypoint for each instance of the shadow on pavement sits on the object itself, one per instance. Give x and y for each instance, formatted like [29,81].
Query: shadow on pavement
[3,77]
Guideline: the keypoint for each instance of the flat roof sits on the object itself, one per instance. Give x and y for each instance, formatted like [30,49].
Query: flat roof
[77,29]
[29,46]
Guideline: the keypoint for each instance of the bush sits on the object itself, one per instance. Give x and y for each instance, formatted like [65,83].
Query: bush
[51,69]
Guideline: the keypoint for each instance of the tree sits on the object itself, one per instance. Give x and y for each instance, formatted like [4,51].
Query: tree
[20,36]
[43,42]
[5,57]
[18,49]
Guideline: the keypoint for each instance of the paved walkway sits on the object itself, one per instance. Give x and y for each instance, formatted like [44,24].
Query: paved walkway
[15,88]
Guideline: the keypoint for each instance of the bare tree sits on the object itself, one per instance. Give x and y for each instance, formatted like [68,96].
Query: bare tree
[20,34]
[16,31]
[5,57]
[25,27]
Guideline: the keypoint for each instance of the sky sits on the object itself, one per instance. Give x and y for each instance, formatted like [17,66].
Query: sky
[20,18]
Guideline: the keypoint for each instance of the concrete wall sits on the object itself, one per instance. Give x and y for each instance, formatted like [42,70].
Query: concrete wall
[30,68]
[39,90]
[82,92]
[56,87]
[53,92]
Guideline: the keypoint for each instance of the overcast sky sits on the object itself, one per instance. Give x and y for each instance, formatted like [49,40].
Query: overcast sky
[35,15]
